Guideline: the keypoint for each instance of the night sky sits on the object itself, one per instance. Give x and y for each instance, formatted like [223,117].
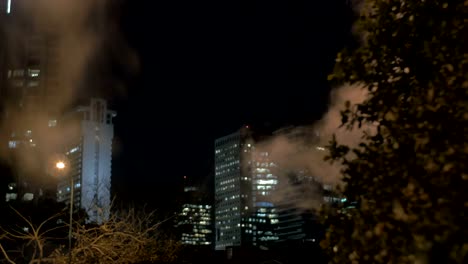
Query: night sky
[208,67]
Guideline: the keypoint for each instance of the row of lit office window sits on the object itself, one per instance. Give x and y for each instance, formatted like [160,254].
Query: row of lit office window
[219,150]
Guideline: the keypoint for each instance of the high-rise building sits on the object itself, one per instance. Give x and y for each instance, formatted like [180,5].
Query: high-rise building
[90,131]
[244,213]
[194,223]
[263,219]
[37,75]
[232,187]
[298,221]
[32,60]
[29,90]
[302,192]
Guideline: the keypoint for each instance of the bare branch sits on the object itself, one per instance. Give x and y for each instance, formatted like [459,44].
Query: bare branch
[6,255]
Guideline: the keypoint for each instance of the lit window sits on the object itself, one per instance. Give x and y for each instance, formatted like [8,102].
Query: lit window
[33,72]
[10,196]
[74,149]
[52,123]
[12,144]
[267,181]
[28,197]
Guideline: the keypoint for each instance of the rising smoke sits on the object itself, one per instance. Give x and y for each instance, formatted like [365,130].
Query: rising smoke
[67,37]
[307,152]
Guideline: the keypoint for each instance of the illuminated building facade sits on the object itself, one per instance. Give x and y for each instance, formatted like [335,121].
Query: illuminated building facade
[194,222]
[263,219]
[89,154]
[232,187]
[298,223]
[244,213]
[304,193]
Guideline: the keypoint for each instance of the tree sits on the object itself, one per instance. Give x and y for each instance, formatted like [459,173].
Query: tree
[409,178]
[128,236]
[32,241]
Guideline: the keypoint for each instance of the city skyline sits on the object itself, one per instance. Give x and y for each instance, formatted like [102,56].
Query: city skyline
[253,131]
[228,65]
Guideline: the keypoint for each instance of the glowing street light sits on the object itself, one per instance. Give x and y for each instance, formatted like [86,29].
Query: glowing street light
[60,165]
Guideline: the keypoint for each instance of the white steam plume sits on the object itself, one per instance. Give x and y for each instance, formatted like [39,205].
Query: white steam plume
[68,34]
[306,152]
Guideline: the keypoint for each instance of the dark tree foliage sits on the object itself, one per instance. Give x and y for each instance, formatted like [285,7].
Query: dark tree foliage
[409,178]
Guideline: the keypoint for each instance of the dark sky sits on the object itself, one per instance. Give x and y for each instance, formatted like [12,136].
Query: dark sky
[208,67]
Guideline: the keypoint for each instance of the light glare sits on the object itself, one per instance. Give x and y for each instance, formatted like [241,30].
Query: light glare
[60,165]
